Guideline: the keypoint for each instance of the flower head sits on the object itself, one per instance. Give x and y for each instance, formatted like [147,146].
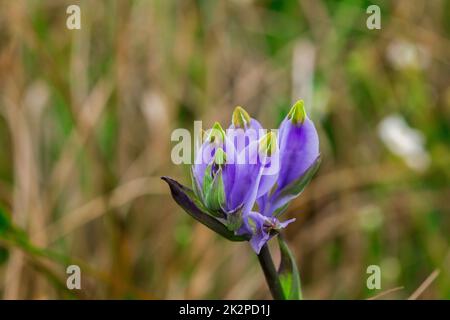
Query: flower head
[244,178]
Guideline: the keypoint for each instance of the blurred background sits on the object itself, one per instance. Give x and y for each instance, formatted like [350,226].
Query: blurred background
[85,123]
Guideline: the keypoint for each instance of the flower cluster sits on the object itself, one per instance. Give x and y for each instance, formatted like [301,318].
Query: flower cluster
[244,178]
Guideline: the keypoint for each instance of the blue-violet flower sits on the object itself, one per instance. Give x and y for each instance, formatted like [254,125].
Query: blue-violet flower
[244,178]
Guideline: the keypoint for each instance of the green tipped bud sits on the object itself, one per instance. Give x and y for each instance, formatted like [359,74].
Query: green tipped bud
[297,114]
[216,134]
[240,118]
[268,144]
[220,157]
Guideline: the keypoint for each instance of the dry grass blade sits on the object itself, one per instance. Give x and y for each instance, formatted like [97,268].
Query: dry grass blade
[424,285]
[385,293]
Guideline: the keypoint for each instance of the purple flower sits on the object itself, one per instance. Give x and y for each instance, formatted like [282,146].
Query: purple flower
[262,228]
[245,178]
[299,159]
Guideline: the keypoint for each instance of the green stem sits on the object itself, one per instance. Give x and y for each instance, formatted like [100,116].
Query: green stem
[270,273]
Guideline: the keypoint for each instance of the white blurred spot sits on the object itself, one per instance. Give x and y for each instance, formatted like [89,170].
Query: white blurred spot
[403,54]
[36,98]
[404,141]
[303,65]
[155,112]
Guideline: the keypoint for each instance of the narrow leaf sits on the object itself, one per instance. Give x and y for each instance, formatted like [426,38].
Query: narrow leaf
[288,272]
[187,199]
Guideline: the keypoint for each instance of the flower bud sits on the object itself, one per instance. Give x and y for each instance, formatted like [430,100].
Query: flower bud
[220,157]
[216,134]
[268,144]
[297,114]
[240,118]
[298,159]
